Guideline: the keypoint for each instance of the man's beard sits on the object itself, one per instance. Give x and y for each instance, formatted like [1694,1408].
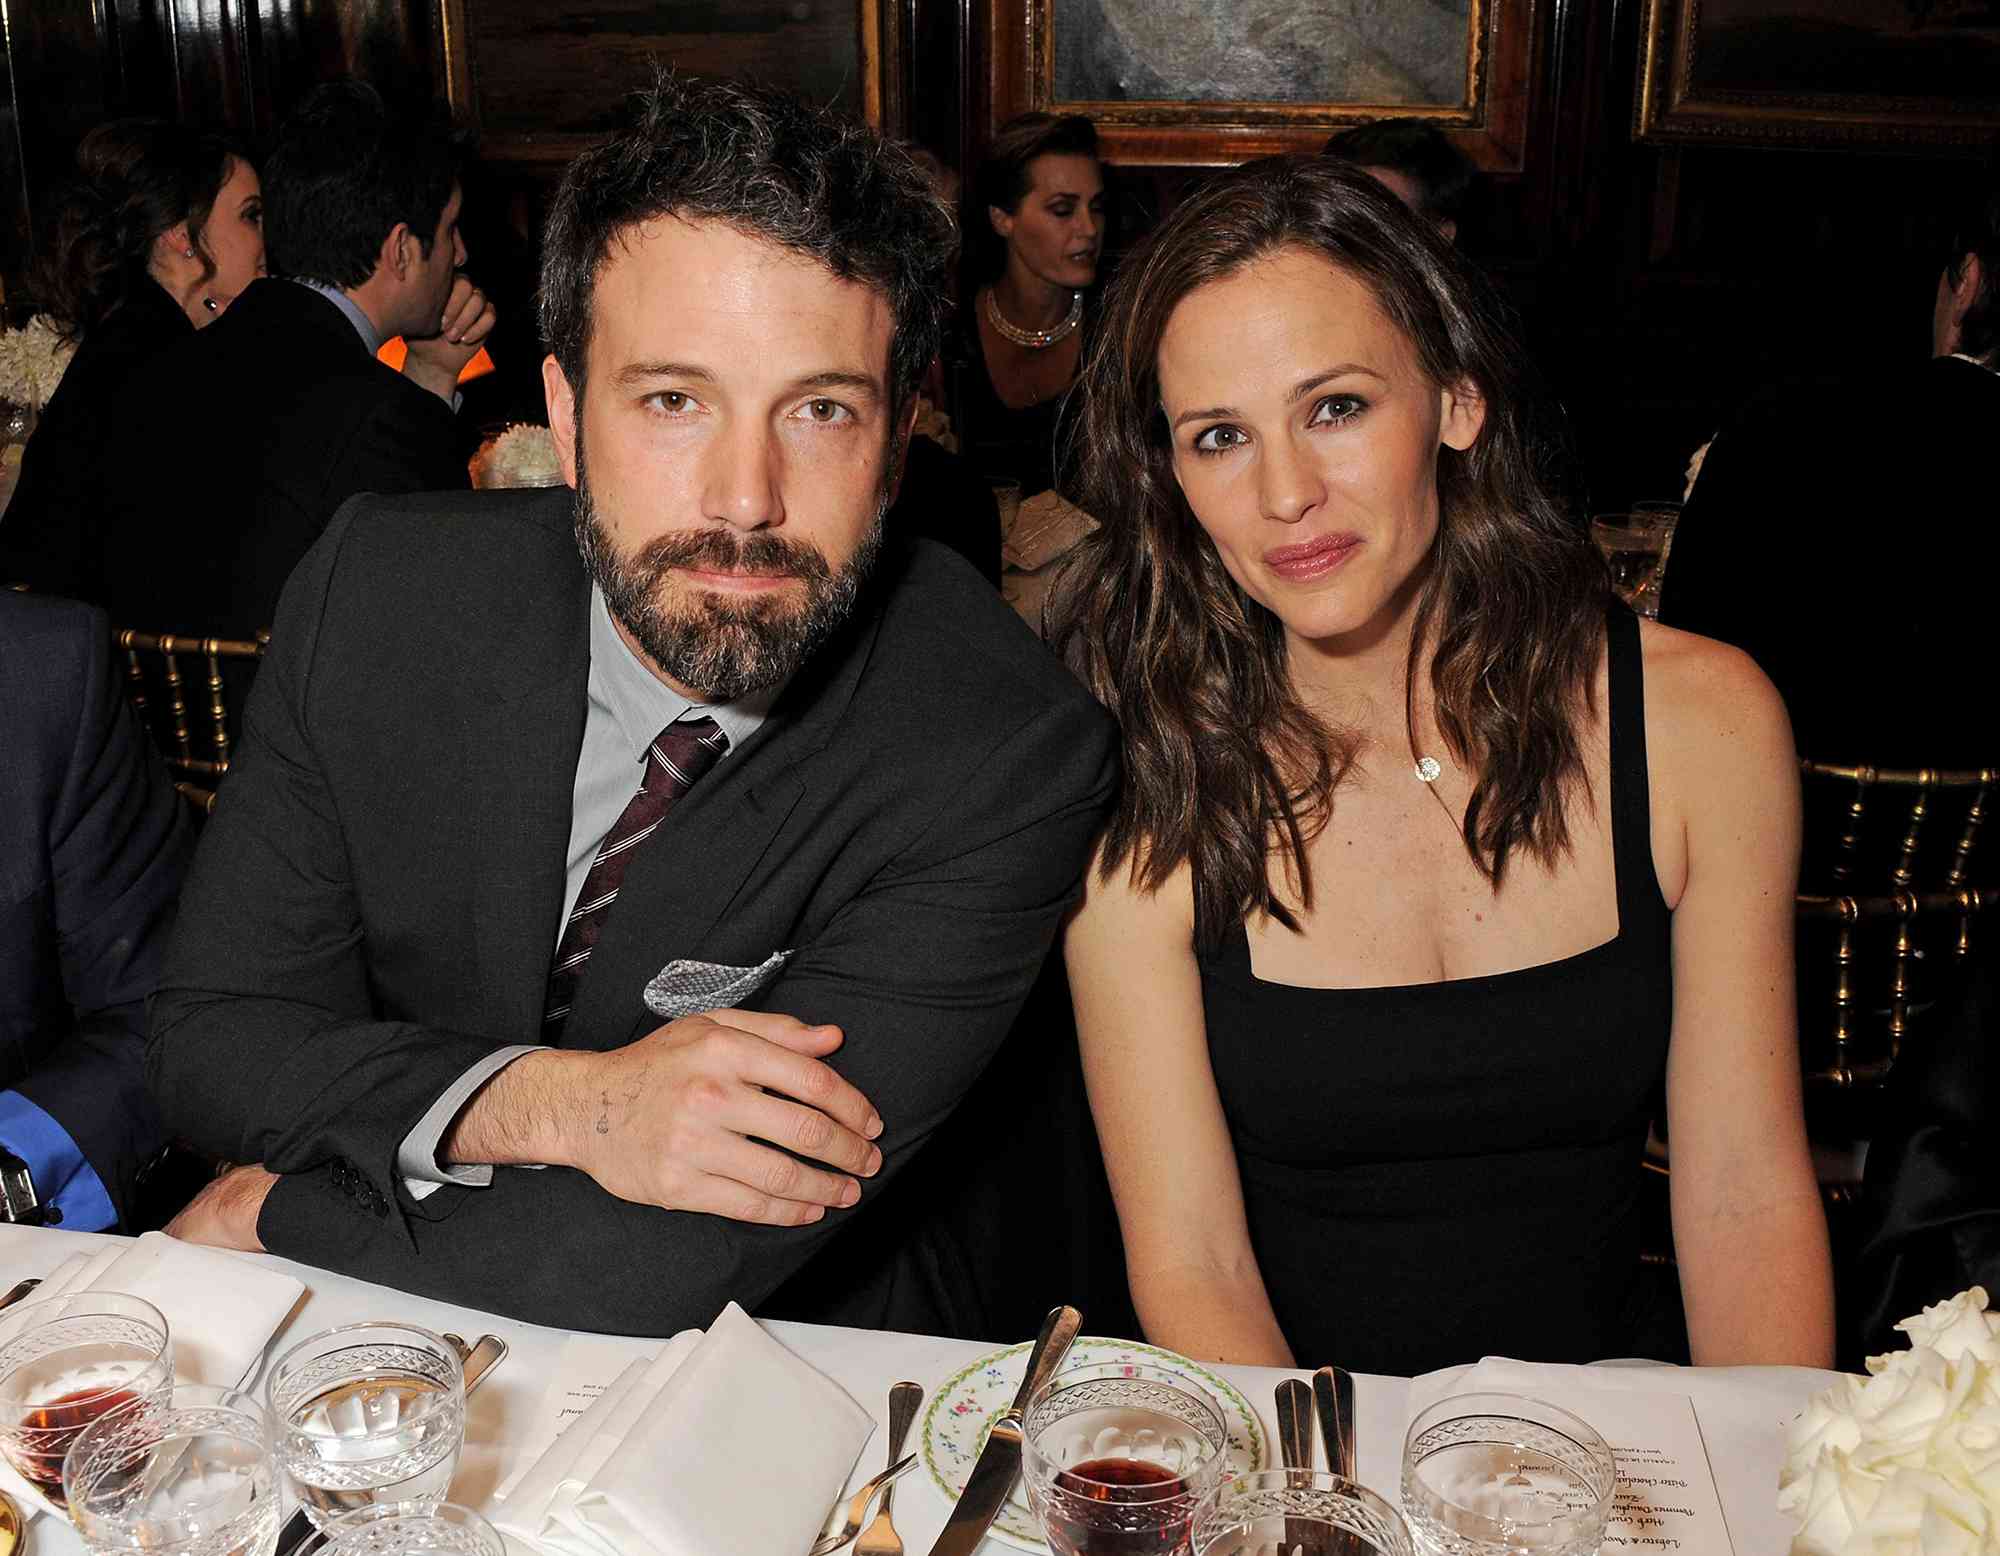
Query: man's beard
[719,646]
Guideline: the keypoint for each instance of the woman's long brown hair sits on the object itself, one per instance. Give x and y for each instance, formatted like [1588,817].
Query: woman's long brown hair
[1226,769]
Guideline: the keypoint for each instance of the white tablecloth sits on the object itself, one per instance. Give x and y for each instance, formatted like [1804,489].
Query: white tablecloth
[1745,1407]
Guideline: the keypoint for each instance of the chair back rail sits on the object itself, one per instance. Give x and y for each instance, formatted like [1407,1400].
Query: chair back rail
[178,685]
[1891,854]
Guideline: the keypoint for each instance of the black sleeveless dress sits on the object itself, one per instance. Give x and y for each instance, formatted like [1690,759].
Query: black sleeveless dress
[1438,1172]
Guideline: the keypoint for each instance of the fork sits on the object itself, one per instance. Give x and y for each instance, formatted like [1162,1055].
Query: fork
[857,1508]
[880,1537]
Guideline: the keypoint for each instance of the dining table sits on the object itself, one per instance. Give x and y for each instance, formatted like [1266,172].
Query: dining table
[1745,1409]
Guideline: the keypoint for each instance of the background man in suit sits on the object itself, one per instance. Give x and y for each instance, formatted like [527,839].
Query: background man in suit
[93,842]
[1846,542]
[281,404]
[423,941]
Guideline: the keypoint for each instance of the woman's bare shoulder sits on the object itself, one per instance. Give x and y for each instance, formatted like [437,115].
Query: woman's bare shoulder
[1718,739]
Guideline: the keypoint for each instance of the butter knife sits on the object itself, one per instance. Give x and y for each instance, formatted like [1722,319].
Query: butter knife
[999,1462]
[475,1362]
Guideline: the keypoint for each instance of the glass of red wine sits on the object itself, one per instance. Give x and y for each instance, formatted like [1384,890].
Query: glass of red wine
[67,1361]
[1116,1458]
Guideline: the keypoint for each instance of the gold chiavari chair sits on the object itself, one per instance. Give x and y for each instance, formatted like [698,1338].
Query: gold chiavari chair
[177,685]
[1890,910]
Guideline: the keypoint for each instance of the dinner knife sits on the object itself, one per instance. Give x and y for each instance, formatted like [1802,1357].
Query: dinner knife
[476,1362]
[999,1462]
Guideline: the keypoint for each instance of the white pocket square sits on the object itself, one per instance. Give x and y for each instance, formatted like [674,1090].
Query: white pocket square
[692,988]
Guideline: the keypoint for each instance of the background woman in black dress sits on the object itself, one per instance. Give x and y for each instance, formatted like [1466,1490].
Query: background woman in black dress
[160,230]
[1432,861]
[1034,235]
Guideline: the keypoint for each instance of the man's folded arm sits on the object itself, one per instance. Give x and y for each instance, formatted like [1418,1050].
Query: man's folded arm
[924,974]
[263,1045]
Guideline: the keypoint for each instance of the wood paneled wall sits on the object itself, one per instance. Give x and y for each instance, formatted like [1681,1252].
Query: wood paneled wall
[1660,285]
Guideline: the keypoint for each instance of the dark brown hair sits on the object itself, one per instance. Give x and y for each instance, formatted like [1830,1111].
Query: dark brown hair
[770,165]
[133,180]
[1223,761]
[1005,177]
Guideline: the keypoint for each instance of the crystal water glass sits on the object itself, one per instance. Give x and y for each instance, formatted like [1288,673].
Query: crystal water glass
[67,1361]
[368,1413]
[1501,1474]
[399,1529]
[1289,1510]
[187,1471]
[1116,1458]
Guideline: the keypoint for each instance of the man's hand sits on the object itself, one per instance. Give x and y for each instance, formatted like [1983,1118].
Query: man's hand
[435,363]
[678,1119]
[224,1215]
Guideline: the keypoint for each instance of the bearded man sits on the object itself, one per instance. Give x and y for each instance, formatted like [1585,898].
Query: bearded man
[675,836]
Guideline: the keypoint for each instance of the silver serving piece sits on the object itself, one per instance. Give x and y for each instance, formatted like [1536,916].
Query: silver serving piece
[999,1463]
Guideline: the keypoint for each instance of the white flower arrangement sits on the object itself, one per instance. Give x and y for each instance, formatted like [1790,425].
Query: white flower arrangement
[1905,1462]
[524,454]
[32,362]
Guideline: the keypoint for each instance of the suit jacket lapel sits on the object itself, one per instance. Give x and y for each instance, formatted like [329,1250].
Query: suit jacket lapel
[522,795]
[681,881]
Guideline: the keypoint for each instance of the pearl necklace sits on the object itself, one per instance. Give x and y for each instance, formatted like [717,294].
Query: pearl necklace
[1034,340]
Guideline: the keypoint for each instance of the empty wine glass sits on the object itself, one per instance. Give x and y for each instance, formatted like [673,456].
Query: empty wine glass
[1288,1510]
[187,1471]
[67,1361]
[1500,1474]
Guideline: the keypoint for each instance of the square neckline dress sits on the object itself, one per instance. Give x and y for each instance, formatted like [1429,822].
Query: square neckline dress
[1442,1171]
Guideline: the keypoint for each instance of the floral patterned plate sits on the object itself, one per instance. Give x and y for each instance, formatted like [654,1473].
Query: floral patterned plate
[964,1407]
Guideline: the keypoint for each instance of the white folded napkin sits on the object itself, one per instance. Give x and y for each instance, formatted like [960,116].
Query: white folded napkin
[220,1309]
[725,1444]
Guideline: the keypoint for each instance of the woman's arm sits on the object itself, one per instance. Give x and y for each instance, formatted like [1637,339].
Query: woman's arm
[1749,1232]
[1137,991]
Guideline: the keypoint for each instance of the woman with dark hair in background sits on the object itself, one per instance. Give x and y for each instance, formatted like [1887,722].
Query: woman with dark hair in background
[160,230]
[1432,860]
[1034,233]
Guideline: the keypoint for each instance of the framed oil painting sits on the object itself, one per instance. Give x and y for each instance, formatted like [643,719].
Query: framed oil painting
[1888,73]
[1194,82]
[542,79]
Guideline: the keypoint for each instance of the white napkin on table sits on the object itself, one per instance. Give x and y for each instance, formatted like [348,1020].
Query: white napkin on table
[221,1310]
[725,1444]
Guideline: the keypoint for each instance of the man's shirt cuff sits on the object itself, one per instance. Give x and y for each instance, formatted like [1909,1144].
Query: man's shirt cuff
[416,1157]
[63,1176]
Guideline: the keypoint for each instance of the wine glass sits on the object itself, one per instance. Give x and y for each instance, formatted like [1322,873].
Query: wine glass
[187,1470]
[1635,547]
[1115,1458]
[1288,1510]
[368,1413]
[67,1361]
[1500,1474]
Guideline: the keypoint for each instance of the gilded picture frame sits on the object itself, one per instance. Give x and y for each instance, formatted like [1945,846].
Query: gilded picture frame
[1198,104]
[1886,74]
[540,80]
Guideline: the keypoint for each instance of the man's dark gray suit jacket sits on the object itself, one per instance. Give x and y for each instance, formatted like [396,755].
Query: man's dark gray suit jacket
[375,904]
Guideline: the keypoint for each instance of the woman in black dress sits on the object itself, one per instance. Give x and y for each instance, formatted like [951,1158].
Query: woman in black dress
[160,230]
[1034,234]
[1433,862]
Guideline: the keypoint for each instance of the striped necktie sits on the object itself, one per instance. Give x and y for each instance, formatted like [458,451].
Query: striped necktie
[681,753]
